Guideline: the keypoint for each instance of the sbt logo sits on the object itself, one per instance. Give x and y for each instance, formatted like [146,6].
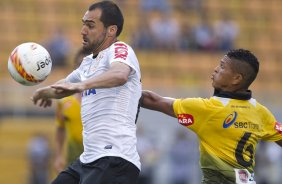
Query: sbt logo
[44,63]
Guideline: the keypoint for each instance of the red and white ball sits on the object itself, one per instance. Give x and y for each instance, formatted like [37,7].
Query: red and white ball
[29,64]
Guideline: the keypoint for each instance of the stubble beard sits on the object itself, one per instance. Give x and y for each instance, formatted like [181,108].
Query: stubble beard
[97,45]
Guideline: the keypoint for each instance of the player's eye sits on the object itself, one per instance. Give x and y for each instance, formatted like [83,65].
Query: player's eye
[221,65]
[91,26]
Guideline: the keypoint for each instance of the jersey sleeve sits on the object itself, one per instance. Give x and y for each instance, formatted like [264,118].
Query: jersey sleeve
[121,52]
[74,76]
[190,112]
[272,128]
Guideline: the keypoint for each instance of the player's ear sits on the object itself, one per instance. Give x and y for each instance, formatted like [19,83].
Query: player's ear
[237,79]
[112,30]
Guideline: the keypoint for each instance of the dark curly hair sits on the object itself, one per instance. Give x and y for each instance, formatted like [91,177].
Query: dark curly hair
[111,14]
[245,63]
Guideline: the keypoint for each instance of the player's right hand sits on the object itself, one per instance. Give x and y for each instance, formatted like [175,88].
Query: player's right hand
[41,96]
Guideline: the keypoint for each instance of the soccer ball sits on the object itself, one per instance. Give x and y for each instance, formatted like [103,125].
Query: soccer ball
[29,64]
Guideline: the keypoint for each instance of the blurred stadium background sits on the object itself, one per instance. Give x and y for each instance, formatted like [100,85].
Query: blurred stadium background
[171,72]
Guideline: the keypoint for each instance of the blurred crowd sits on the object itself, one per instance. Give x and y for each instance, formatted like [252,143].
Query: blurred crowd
[160,29]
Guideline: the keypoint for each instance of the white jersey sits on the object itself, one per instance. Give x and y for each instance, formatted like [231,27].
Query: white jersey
[109,114]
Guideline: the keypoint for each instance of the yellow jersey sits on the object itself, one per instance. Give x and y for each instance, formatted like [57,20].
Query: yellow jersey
[70,119]
[228,131]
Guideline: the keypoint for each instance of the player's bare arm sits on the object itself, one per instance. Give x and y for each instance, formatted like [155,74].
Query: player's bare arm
[153,101]
[279,142]
[44,95]
[117,75]
[59,161]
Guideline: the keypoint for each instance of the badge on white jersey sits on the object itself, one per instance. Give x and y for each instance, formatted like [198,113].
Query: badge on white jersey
[243,176]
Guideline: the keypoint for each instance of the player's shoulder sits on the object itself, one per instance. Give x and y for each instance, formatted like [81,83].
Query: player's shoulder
[120,45]
[194,101]
[262,108]
[86,61]
[87,58]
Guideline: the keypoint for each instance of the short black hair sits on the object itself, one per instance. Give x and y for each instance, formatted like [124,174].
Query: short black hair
[111,14]
[246,63]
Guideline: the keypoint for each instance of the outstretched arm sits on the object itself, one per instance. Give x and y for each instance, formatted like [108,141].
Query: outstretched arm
[153,101]
[59,160]
[279,142]
[44,95]
[61,121]
[117,75]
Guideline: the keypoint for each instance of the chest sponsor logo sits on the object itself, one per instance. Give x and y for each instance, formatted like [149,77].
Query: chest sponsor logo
[278,127]
[88,92]
[247,124]
[121,51]
[230,119]
[185,119]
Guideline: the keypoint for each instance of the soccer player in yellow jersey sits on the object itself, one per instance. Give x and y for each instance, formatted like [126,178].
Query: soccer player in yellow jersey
[69,130]
[69,125]
[229,125]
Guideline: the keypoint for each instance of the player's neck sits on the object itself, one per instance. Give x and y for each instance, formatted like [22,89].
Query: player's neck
[107,43]
[240,95]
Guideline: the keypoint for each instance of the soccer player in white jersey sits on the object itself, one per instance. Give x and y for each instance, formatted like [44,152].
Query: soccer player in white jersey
[229,125]
[110,83]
